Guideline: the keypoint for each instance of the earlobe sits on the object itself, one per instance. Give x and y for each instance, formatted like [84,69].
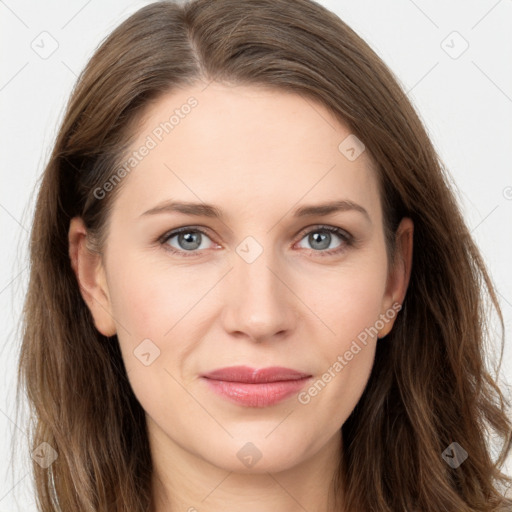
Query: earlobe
[399,276]
[90,275]
[385,330]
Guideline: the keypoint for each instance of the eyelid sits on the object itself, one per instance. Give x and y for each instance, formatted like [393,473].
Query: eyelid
[327,227]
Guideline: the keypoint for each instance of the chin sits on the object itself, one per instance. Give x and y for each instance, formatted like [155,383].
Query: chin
[259,455]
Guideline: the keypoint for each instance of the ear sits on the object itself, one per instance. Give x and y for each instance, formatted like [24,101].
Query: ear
[88,268]
[399,273]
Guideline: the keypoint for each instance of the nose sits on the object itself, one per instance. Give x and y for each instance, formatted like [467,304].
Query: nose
[259,303]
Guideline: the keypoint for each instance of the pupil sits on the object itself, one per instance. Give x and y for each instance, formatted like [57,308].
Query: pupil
[188,238]
[323,238]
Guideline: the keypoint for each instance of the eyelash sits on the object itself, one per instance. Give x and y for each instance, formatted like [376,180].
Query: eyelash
[344,236]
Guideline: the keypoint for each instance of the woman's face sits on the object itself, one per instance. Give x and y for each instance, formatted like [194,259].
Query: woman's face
[260,285]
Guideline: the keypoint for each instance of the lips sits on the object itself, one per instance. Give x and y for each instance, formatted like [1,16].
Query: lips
[249,375]
[251,387]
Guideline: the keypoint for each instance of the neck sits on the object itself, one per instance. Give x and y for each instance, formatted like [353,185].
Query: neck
[184,481]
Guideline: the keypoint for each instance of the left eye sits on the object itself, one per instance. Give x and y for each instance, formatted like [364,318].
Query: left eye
[320,238]
[191,239]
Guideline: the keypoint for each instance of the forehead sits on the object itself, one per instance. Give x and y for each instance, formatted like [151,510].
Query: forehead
[248,145]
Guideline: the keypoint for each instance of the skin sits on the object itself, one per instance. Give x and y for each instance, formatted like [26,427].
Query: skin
[257,154]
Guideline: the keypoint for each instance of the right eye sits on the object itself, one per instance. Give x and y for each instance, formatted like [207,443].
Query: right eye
[189,240]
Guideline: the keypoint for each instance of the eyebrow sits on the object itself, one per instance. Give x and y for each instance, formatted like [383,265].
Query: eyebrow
[209,210]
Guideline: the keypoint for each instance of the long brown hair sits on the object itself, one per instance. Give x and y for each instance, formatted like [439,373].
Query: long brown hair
[429,386]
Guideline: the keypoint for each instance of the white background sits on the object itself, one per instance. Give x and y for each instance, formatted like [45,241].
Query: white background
[465,103]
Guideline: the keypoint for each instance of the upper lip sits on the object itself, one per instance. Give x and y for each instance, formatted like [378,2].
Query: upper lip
[253,375]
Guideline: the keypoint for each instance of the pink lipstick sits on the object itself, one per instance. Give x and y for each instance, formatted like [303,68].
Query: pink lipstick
[252,387]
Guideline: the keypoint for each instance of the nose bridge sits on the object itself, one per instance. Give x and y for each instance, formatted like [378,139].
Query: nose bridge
[260,304]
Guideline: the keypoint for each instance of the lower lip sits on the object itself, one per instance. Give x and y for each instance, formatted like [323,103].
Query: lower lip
[256,395]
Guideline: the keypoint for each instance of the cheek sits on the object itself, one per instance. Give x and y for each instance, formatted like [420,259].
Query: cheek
[155,307]
[148,297]
[148,303]
[351,299]
[350,309]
